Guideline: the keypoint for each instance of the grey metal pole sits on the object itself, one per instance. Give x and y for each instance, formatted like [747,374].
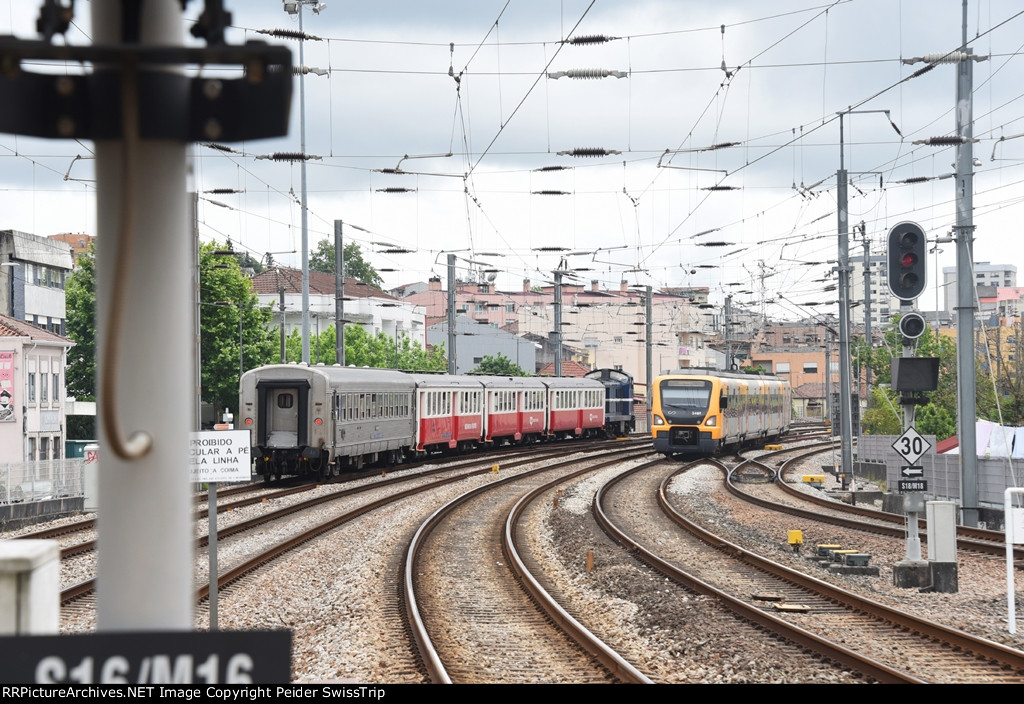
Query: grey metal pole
[451,314]
[828,380]
[339,293]
[558,320]
[305,214]
[649,333]
[728,333]
[145,559]
[867,309]
[845,421]
[964,234]
[284,351]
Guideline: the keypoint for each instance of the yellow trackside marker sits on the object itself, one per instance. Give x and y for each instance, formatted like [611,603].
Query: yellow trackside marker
[494,469]
[556,502]
[590,561]
[383,473]
[559,493]
[264,501]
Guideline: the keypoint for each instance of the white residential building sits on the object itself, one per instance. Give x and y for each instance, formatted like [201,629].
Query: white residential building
[32,399]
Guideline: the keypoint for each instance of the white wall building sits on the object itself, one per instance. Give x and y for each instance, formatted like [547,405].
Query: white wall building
[985,274]
[365,305]
[33,271]
[883,304]
[32,398]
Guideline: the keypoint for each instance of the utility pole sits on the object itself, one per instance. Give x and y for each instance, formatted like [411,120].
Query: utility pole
[963,233]
[649,333]
[845,409]
[828,381]
[451,314]
[728,333]
[145,566]
[867,309]
[557,332]
[339,293]
[280,297]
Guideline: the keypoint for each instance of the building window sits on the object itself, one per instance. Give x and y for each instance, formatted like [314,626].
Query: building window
[32,388]
[781,367]
[56,386]
[56,447]
[810,367]
[44,448]
[511,307]
[31,449]
[43,386]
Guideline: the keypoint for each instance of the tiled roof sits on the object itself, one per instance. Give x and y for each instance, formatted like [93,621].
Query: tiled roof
[569,368]
[78,242]
[269,281]
[12,327]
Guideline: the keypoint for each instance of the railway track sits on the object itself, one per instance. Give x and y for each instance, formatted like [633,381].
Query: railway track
[471,467]
[854,517]
[472,621]
[915,648]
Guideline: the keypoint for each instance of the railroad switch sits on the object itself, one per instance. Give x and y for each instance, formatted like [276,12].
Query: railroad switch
[825,549]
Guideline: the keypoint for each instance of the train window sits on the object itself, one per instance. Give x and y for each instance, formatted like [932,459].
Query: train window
[285,400]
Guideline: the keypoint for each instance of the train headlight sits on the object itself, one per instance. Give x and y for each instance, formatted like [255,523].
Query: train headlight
[658,420]
[711,422]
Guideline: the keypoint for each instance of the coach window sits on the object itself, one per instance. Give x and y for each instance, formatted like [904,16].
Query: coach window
[284,400]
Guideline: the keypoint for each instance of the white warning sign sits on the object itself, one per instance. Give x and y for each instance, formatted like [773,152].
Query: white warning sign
[220,456]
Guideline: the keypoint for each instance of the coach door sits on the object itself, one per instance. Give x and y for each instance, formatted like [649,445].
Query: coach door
[284,413]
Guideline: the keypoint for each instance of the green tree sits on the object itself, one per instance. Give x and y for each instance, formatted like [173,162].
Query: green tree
[935,420]
[80,302]
[80,376]
[883,416]
[498,366]
[230,318]
[225,295]
[365,350]
[354,265]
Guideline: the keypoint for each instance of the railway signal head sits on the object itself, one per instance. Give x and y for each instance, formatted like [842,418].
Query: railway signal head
[912,325]
[906,261]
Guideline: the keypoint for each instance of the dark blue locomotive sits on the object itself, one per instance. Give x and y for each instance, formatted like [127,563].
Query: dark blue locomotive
[619,420]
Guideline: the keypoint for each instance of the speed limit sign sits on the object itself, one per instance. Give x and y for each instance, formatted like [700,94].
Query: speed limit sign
[911,446]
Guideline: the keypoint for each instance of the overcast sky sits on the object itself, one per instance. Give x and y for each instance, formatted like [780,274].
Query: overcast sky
[425,80]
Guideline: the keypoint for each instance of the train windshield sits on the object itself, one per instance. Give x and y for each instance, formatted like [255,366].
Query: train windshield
[685,393]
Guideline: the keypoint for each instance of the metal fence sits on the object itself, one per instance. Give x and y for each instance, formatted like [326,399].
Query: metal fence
[40,480]
[943,471]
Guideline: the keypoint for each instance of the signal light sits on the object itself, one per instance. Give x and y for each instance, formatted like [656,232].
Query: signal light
[912,325]
[906,261]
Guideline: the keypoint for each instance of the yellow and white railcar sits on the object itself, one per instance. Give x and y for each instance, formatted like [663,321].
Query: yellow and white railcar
[702,411]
